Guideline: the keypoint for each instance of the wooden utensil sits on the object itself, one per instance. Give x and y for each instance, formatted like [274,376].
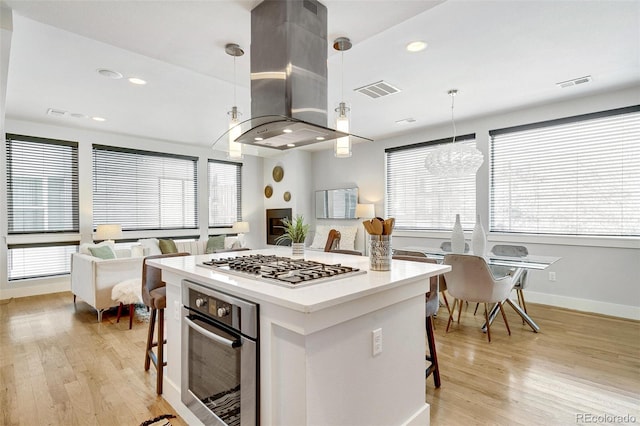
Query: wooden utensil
[367,226]
[388,226]
[377,226]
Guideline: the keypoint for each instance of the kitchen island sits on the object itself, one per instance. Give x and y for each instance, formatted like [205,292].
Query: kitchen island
[317,364]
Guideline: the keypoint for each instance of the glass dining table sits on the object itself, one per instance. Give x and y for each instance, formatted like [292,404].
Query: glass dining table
[518,265]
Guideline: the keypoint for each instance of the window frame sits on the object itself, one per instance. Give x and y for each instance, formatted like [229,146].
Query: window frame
[592,239]
[238,197]
[445,224]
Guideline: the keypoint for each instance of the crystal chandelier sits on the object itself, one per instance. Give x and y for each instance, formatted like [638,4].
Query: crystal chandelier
[235,148]
[342,147]
[453,159]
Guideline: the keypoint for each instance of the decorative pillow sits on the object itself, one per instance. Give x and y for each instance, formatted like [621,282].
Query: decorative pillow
[215,243]
[84,248]
[347,237]
[167,246]
[103,252]
[150,246]
[137,251]
[230,242]
[320,237]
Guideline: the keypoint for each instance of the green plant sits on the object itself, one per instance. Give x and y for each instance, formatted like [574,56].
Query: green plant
[294,231]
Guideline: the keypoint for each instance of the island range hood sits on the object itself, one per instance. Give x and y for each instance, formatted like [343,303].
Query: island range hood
[288,77]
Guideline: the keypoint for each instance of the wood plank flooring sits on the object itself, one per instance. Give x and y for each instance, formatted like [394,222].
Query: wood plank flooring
[58,366]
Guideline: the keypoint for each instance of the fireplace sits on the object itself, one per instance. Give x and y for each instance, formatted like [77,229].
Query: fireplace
[274,224]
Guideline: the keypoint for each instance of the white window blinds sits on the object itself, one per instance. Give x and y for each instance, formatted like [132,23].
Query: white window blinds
[574,176]
[225,193]
[42,185]
[421,201]
[143,190]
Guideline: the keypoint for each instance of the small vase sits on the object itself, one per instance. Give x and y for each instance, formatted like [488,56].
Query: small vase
[478,238]
[297,250]
[457,237]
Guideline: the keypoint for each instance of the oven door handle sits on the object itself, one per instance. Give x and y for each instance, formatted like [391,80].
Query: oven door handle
[213,336]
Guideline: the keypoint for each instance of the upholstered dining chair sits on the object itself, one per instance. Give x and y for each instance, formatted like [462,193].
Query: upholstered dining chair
[471,280]
[442,281]
[431,307]
[154,295]
[521,281]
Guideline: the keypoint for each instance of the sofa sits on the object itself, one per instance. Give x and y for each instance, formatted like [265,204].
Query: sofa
[93,277]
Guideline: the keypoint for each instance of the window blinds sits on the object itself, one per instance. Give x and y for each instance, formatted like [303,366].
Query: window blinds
[575,176]
[42,185]
[144,190]
[225,193]
[421,201]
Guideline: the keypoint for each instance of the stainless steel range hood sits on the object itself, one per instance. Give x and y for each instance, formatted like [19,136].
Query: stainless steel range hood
[288,77]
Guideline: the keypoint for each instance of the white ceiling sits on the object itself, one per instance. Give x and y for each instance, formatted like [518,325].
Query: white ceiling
[500,55]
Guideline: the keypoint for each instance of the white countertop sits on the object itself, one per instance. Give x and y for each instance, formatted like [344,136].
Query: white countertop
[306,299]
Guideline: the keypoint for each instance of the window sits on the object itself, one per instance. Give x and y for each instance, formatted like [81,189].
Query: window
[225,193]
[572,176]
[144,190]
[42,198]
[421,201]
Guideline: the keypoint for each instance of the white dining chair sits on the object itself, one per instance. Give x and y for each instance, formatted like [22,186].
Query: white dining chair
[521,281]
[471,280]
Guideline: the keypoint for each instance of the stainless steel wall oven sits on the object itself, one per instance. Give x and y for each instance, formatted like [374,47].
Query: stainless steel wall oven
[220,354]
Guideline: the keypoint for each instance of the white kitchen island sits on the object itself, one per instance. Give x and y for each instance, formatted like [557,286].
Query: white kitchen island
[316,348]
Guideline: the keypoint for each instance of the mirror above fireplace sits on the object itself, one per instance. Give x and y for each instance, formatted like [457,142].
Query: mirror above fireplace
[336,203]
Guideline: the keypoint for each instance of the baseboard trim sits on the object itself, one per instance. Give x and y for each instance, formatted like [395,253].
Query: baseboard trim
[35,290]
[584,305]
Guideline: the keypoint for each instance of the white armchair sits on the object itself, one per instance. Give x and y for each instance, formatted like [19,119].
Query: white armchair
[92,279]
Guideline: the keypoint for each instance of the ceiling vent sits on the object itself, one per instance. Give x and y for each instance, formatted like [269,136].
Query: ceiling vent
[574,82]
[377,90]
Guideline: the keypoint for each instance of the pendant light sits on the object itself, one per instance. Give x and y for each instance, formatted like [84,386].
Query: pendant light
[342,147]
[235,148]
[453,160]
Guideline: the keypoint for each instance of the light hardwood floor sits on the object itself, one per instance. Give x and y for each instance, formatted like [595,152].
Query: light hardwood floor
[58,366]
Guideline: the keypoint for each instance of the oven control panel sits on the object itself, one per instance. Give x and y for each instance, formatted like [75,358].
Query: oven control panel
[211,307]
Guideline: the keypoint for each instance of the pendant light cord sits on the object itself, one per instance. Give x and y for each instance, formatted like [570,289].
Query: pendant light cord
[342,76]
[453,121]
[234,81]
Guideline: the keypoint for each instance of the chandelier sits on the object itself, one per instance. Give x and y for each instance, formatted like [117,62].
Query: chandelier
[453,160]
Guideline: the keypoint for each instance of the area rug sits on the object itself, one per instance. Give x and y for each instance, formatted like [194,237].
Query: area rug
[162,420]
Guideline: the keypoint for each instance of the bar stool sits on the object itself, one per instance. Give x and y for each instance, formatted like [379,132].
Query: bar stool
[431,308]
[154,295]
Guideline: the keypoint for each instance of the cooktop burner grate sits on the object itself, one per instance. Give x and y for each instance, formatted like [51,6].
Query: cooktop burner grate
[282,270]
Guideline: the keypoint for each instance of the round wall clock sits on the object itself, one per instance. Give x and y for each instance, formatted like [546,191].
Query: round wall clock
[278,173]
[287,196]
[268,191]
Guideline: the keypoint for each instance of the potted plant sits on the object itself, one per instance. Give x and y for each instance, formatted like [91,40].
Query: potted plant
[296,232]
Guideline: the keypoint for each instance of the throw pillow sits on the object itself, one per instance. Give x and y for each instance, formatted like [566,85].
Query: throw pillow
[320,237]
[84,248]
[150,246]
[167,246]
[230,242]
[215,243]
[102,252]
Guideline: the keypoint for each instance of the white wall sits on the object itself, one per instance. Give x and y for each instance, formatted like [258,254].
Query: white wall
[6,31]
[252,198]
[596,275]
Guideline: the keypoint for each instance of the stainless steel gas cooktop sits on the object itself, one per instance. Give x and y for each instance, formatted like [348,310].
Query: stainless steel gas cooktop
[283,271]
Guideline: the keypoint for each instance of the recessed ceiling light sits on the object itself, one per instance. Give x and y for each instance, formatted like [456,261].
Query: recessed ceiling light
[98,119]
[109,73]
[416,46]
[136,80]
[291,145]
[287,131]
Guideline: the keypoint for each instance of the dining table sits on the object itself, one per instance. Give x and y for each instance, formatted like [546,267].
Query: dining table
[518,265]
